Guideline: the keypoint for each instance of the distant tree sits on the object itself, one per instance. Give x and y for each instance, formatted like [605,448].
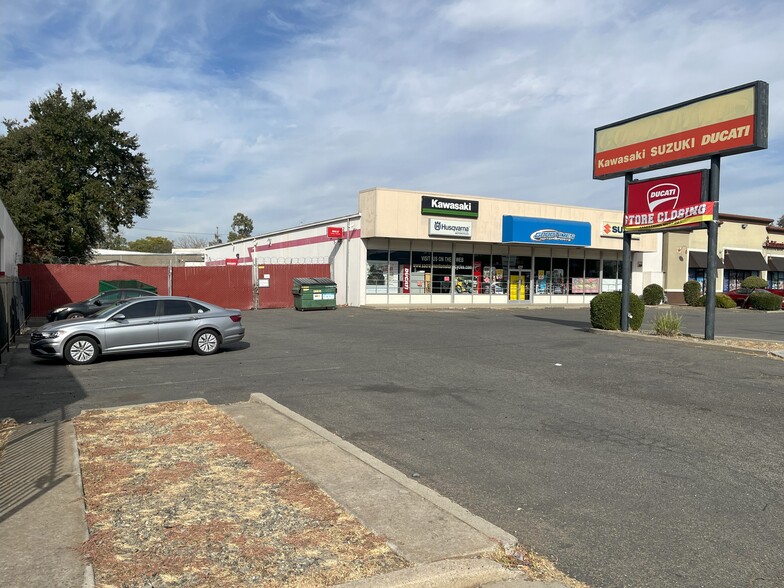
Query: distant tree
[151,245]
[216,239]
[68,174]
[113,241]
[191,242]
[781,221]
[241,227]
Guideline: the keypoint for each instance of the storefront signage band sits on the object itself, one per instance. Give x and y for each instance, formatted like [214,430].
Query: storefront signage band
[437,206]
[545,231]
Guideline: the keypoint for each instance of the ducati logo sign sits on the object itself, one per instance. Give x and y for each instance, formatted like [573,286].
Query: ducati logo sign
[664,196]
[673,202]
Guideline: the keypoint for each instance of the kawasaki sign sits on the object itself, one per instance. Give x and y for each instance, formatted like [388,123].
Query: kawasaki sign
[437,206]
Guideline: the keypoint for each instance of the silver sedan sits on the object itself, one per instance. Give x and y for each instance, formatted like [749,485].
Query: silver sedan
[145,324]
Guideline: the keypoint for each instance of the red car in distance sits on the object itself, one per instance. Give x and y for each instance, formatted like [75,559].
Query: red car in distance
[741,295]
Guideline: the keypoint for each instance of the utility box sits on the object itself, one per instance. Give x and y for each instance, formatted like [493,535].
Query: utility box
[314,293]
[106,285]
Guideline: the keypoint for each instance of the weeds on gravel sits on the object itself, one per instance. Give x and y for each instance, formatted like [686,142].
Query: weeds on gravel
[668,324]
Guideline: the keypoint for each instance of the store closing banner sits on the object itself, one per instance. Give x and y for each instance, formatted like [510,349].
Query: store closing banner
[669,202]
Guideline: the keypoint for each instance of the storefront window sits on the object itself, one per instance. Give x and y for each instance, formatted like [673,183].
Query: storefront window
[377,271]
[558,275]
[776,280]
[733,278]
[465,281]
[542,276]
[577,283]
[400,279]
[611,275]
[498,274]
[421,272]
[483,273]
[442,272]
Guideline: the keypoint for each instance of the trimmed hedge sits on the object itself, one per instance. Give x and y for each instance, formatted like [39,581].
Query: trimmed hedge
[653,294]
[691,292]
[754,282]
[722,301]
[764,300]
[606,311]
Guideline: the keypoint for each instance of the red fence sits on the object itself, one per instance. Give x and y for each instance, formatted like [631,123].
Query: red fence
[278,293]
[53,285]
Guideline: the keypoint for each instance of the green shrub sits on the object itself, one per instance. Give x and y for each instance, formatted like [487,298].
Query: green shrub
[764,300]
[653,294]
[691,292]
[667,324]
[606,311]
[754,282]
[722,301]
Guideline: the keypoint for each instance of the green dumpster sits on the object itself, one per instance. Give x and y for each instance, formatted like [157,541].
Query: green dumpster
[313,293]
[106,285]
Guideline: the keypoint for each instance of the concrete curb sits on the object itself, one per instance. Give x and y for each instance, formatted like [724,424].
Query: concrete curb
[688,339]
[505,539]
[446,545]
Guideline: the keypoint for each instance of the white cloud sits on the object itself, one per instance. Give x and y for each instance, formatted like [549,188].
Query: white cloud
[286,110]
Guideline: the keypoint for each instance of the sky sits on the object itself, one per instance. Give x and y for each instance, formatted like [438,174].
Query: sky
[285,110]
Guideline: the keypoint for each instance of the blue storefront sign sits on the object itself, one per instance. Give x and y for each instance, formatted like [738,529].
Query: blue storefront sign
[545,231]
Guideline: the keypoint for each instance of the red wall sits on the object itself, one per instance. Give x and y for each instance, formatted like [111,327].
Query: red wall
[281,276]
[53,285]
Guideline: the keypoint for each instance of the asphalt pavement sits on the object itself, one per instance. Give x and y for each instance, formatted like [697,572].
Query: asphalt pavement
[631,461]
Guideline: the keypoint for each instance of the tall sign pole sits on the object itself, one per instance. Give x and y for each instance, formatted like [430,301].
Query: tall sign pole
[713,240]
[626,280]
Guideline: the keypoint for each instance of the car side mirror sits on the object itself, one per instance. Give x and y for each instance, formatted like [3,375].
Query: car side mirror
[98,303]
[118,317]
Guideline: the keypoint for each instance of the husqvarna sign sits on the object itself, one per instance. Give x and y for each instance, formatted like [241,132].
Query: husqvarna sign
[449,228]
[670,202]
[724,123]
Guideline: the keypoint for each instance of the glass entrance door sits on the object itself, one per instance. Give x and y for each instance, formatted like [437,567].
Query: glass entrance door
[519,285]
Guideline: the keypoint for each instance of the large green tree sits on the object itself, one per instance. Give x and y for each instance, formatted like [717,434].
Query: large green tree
[151,245]
[241,227]
[70,178]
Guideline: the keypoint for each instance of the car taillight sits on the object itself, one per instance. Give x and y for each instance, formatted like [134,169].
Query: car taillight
[235,318]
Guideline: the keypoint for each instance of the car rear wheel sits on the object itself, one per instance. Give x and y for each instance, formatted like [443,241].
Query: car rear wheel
[206,342]
[71,315]
[81,351]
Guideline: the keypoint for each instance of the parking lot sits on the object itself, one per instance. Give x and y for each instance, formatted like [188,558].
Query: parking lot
[632,461]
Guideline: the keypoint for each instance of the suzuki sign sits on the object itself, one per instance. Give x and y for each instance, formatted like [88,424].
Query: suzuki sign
[724,123]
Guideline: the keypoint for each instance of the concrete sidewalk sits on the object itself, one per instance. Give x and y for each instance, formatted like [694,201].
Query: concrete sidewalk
[42,518]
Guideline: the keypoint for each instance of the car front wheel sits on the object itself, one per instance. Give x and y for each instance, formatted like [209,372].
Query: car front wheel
[81,351]
[71,315]
[206,342]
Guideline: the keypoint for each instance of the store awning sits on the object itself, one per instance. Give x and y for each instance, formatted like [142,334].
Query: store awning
[699,259]
[776,264]
[744,260]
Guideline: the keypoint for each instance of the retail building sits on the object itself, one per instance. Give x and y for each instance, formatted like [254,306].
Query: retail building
[413,248]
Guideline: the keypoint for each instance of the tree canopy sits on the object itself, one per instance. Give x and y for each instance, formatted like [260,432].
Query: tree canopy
[241,227]
[151,244]
[781,221]
[70,178]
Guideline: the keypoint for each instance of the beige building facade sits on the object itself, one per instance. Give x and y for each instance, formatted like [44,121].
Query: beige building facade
[747,246]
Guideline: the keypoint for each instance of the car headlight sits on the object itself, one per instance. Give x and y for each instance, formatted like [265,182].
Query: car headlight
[51,334]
